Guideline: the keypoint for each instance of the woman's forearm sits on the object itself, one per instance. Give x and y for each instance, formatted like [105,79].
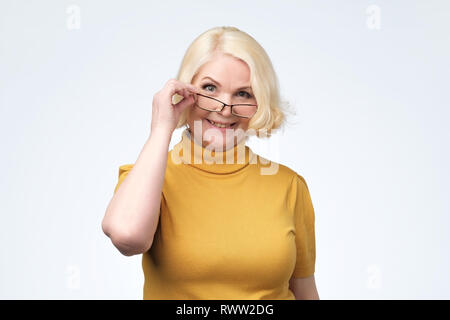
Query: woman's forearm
[304,288]
[131,217]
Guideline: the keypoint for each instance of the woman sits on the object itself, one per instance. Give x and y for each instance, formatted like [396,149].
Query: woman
[212,219]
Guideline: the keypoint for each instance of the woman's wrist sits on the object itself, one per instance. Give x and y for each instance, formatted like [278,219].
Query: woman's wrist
[161,131]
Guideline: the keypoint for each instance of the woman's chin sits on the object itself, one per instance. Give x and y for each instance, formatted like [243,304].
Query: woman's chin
[219,145]
[219,138]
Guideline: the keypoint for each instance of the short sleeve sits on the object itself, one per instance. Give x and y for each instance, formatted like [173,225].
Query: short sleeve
[123,172]
[304,229]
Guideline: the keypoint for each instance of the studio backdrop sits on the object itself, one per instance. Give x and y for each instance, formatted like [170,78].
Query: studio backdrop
[368,81]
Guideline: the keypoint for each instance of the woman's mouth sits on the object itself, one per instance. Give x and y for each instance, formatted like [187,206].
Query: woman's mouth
[219,125]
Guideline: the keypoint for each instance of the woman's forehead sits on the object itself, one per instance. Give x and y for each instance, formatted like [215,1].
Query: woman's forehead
[225,72]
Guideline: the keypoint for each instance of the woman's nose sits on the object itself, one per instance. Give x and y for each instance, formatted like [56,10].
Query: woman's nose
[226,111]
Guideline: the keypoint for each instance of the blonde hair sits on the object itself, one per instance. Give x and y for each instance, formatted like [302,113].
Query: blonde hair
[230,40]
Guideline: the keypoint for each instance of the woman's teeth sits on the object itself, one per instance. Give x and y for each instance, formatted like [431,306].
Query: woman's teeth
[219,125]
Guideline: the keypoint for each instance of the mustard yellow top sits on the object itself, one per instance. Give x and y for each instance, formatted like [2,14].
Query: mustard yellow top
[226,230]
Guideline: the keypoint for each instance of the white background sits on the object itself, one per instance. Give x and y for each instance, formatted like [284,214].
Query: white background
[370,136]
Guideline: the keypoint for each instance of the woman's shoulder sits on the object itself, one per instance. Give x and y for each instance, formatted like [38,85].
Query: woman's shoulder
[287,173]
[293,174]
[297,179]
[277,169]
[297,183]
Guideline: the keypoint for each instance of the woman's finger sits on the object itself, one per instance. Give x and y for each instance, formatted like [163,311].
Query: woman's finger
[193,88]
[174,86]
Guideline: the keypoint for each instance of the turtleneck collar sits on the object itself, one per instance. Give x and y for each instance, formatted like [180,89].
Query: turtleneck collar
[212,161]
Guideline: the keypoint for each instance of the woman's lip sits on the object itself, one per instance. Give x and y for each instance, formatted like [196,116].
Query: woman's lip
[228,123]
[232,126]
[221,122]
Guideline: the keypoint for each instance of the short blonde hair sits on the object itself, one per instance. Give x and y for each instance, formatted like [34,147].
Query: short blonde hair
[264,82]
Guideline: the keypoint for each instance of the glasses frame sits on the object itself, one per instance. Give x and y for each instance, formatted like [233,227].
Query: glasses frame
[224,105]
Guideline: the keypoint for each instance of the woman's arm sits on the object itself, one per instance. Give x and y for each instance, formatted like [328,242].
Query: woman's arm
[131,218]
[304,288]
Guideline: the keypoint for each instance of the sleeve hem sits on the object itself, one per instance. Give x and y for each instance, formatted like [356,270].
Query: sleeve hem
[304,272]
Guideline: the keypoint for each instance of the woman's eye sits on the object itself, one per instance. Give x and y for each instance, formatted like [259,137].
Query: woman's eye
[246,94]
[206,86]
[241,94]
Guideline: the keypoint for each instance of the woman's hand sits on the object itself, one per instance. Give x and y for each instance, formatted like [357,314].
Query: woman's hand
[165,114]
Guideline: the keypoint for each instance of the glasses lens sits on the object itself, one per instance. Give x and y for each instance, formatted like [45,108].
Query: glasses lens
[244,110]
[214,105]
[208,104]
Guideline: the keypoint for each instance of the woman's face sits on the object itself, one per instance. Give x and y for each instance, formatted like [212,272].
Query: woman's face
[228,80]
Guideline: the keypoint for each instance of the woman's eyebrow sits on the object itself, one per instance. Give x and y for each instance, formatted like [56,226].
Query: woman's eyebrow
[250,88]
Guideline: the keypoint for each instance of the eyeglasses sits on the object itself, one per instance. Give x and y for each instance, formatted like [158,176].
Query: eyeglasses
[242,110]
